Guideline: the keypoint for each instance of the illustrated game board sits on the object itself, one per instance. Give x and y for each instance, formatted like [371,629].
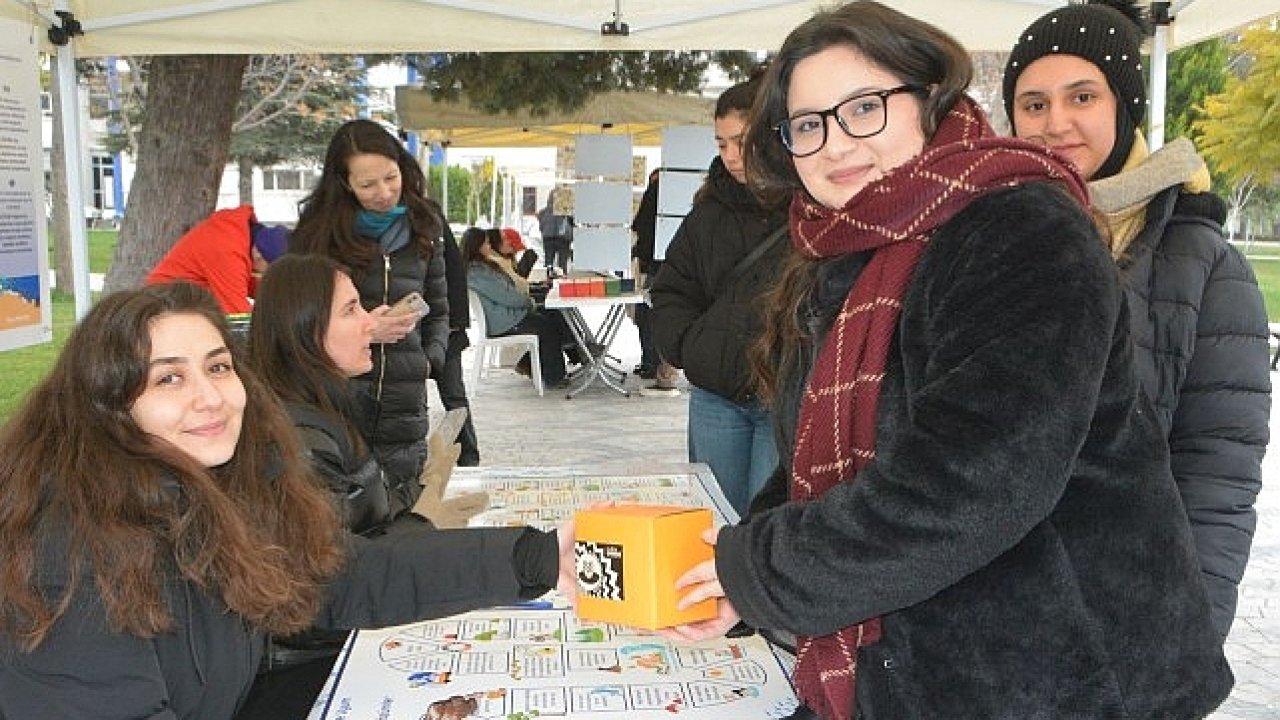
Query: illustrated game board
[538,660]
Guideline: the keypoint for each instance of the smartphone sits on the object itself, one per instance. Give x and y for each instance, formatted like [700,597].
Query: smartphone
[411,303]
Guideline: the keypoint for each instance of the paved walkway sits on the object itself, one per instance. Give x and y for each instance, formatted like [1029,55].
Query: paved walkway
[516,427]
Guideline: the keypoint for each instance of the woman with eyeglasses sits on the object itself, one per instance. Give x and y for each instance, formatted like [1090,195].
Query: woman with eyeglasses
[977,518]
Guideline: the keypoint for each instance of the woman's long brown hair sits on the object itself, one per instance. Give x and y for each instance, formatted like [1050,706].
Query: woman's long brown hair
[85,493]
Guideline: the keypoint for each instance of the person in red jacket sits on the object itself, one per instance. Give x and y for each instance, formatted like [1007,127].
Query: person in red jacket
[224,253]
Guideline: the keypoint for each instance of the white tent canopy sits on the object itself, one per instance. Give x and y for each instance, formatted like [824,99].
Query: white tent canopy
[120,27]
[642,115]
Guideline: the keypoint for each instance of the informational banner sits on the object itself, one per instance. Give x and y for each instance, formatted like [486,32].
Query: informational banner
[26,316]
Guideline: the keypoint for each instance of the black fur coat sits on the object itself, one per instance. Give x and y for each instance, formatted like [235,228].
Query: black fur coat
[1019,531]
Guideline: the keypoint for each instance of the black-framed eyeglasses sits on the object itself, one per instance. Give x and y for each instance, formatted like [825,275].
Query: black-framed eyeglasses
[859,116]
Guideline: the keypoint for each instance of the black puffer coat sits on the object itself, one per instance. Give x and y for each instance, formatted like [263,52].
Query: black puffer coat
[392,398]
[1200,330]
[704,320]
[1019,533]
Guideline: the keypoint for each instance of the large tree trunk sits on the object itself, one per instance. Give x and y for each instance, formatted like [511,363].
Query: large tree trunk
[245,166]
[182,150]
[60,232]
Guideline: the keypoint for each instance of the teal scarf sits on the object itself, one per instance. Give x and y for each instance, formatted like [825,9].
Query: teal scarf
[372,224]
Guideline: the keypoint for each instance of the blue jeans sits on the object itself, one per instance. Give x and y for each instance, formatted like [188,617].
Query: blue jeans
[736,441]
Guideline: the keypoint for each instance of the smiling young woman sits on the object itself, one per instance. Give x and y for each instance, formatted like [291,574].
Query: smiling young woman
[948,358]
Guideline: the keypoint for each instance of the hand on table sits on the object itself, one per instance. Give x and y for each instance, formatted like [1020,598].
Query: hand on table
[703,583]
[391,328]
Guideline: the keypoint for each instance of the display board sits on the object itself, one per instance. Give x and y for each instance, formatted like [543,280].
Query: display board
[26,316]
[538,660]
[687,152]
[603,166]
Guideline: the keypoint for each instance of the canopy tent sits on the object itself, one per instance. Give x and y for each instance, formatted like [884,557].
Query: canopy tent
[642,115]
[122,27]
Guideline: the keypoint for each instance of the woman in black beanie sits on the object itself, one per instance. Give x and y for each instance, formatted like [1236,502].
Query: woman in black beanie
[1074,83]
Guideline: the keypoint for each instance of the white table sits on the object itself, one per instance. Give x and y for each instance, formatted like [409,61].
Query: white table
[594,344]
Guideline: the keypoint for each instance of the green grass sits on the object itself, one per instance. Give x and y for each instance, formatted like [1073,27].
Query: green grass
[24,367]
[102,245]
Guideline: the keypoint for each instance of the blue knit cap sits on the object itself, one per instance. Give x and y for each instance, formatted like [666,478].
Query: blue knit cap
[271,240]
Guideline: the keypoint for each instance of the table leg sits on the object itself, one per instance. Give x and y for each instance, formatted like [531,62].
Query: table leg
[594,346]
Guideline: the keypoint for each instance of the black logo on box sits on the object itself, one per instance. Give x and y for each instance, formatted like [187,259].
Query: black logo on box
[599,569]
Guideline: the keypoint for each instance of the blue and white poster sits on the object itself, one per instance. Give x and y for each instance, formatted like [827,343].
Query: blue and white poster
[26,316]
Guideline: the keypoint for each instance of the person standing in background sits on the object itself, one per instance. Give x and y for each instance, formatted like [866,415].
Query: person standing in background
[369,211]
[225,253]
[557,235]
[450,384]
[706,309]
[1074,84]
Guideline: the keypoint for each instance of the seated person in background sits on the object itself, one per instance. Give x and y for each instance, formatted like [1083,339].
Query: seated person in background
[162,520]
[508,308]
[523,257]
[225,253]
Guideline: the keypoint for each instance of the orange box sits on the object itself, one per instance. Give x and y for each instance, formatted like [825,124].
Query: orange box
[629,558]
[597,287]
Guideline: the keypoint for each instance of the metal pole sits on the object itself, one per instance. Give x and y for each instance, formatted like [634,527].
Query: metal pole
[74,168]
[1159,73]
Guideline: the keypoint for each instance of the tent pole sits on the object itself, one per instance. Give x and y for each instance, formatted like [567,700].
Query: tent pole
[1161,18]
[73,166]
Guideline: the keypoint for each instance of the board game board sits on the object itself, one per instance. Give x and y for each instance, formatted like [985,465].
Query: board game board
[538,660]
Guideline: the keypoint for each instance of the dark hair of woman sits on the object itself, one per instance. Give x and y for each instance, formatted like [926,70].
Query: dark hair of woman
[326,219]
[286,340]
[473,242]
[914,52]
[737,98]
[79,478]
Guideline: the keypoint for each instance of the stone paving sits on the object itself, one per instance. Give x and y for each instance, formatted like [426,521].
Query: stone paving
[516,427]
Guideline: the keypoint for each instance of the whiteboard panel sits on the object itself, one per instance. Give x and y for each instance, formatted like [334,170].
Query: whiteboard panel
[603,155]
[676,190]
[667,226]
[602,203]
[688,147]
[602,248]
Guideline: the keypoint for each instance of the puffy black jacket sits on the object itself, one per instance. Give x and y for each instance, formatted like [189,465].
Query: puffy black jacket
[355,479]
[392,398]
[704,320]
[1200,329]
[1018,533]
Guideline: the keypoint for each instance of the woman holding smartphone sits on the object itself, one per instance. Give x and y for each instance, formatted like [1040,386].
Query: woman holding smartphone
[370,213]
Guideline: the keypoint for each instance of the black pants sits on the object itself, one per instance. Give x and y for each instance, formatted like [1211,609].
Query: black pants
[286,694]
[553,337]
[453,394]
[558,252]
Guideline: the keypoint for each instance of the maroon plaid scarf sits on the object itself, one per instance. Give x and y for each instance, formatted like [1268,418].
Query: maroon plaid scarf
[894,216]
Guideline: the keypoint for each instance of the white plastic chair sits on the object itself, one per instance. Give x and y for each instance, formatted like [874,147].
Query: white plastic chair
[482,345]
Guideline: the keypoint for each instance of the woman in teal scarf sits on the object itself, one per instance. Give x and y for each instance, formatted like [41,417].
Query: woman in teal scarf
[370,213]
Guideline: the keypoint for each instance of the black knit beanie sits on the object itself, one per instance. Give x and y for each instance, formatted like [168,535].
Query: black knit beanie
[1107,33]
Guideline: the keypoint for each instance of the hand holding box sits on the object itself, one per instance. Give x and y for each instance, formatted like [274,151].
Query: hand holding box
[628,558]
